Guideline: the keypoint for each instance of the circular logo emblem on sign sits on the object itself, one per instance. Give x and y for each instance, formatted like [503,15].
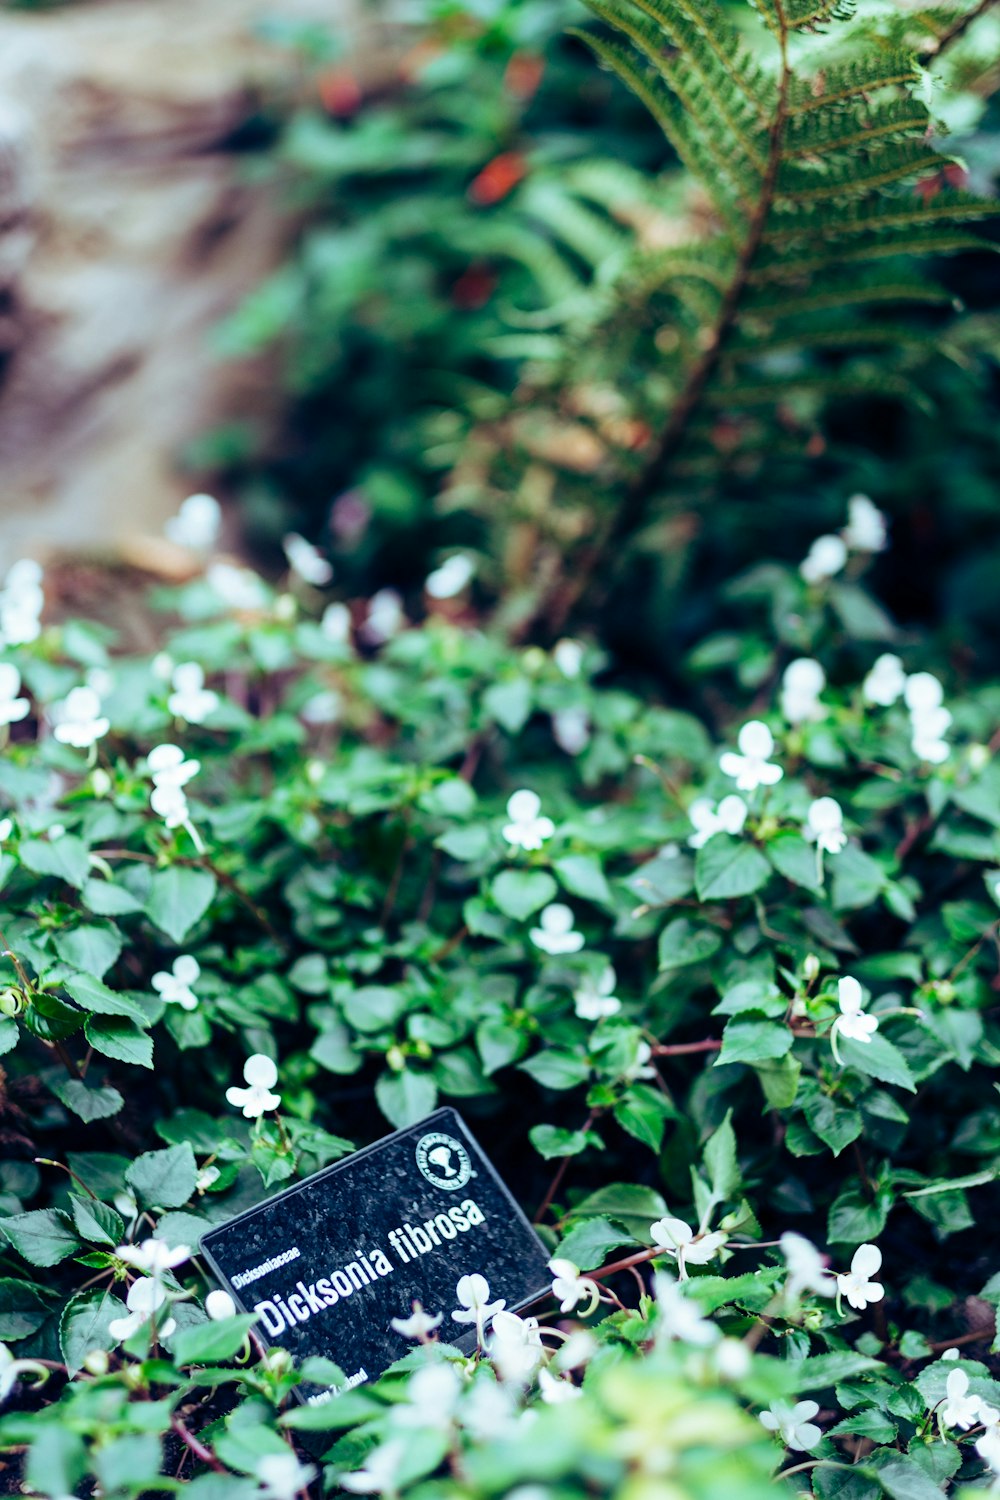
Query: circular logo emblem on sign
[443,1161]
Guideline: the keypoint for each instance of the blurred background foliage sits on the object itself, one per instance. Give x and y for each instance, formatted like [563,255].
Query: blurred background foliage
[470,226]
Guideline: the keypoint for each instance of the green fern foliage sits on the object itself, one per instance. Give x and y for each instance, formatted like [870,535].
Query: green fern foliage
[815,149]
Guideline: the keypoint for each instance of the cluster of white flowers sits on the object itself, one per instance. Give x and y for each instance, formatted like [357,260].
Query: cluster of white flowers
[21,603]
[260,1075]
[865,531]
[853,1022]
[923,695]
[801,684]
[147,1294]
[170,773]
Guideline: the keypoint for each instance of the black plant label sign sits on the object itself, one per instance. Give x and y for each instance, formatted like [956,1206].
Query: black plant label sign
[327,1264]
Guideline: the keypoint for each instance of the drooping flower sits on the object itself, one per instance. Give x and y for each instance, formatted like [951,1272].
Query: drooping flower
[807,1268]
[305,559]
[191,700]
[751,767]
[555,1390]
[516,1346]
[431,1396]
[801,684]
[595,998]
[170,804]
[687,1246]
[12,1370]
[527,828]
[570,1288]
[825,558]
[473,1296]
[283,1476]
[154,1256]
[853,1022]
[866,529]
[12,708]
[450,577]
[793,1424]
[175,986]
[167,766]
[419,1325]
[219,1305]
[261,1075]
[568,656]
[144,1299]
[988,1447]
[825,825]
[885,682]
[678,1317]
[78,719]
[555,934]
[707,819]
[856,1284]
[960,1409]
[196,524]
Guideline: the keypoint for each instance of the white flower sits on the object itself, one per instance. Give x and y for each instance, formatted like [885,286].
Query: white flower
[153,1256]
[12,708]
[732,1359]
[78,719]
[643,1066]
[451,577]
[261,1075]
[595,997]
[239,588]
[570,1288]
[431,1396]
[6,829]
[960,1409]
[951,1353]
[283,1476]
[21,603]
[473,1295]
[825,825]
[708,820]
[206,1177]
[686,1245]
[885,682]
[419,1325]
[988,1447]
[793,1424]
[568,656]
[751,768]
[526,829]
[170,804]
[191,700]
[928,724]
[304,559]
[555,1391]
[336,623]
[866,528]
[556,935]
[856,1284]
[378,1473]
[323,708]
[571,730]
[166,766]
[807,1268]
[12,1369]
[801,684]
[175,987]
[219,1305]
[922,693]
[385,616]
[197,523]
[489,1411]
[145,1298]
[516,1346]
[825,557]
[678,1317]
[853,1022]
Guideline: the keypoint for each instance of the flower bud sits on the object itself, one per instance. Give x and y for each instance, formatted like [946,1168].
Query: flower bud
[423,1049]
[279,1361]
[395,1059]
[810,967]
[96,1362]
[979,757]
[11,1002]
[284,607]
[315,771]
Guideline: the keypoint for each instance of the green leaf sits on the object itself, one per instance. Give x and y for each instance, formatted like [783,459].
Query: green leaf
[58,1462]
[8,1034]
[89,1104]
[551,1141]
[821,1371]
[406,1097]
[856,879]
[164,1179]
[583,876]
[509,703]
[45,1236]
[129,1463]
[644,1113]
[901,1478]
[557,1070]
[374,1007]
[747,1041]
[836,1124]
[120,1038]
[84,1323]
[24,1307]
[879,1059]
[856,1217]
[499,1043]
[90,948]
[520,893]
[208,1343]
[178,898]
[629,1204]
[721,1161]
[727,867]
[682,942]
[96,1222]
[94,996]
[794,858]
[66,857]
[589,1243]
[106,899]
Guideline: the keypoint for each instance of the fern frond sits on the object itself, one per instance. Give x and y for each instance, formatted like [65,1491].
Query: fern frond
[891,163]
[753,346]
[839,291]
[803,15]
[700,31]
[849,383]
[880,216]
[820,132]
[844,81]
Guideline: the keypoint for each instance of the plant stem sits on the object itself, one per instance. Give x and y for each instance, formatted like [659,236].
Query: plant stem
[682,1049]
